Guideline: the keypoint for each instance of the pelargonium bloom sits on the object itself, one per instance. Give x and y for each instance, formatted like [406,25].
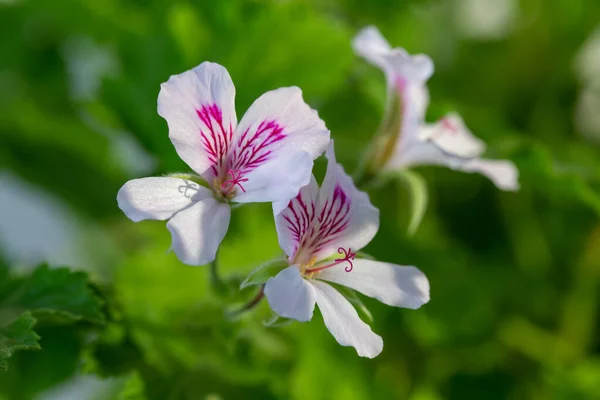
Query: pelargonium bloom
[407,140]
[321,230]
[267,157]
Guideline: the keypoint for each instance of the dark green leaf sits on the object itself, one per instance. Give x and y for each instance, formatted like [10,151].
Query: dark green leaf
[19,335]
[57,291]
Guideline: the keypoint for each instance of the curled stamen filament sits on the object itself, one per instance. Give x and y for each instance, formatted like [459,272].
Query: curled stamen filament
[348,256]
[236,179]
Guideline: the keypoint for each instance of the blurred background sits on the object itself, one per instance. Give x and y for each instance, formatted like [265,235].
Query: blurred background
[514,276]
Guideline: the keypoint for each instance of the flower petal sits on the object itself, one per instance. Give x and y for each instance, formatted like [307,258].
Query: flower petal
[198,231]
[419,153]
[346,216]
[503,173]
[452,136]
[448,142]
[279,179]
[294,219]
[290,296]
[277,122]
[407,95]
[391,284]
[158,198]
[370,44]
[401,66]
[343,322]
[412,107]
[198,106]
[277,127]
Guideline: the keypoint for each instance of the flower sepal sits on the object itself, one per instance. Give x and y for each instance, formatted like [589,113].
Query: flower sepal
[190,177]
[276,321]
[263,272]
[383,144]
[415,185]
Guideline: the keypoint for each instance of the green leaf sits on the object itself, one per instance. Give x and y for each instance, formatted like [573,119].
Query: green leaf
[57,291]
[417,189]
[19,335]
[46,291]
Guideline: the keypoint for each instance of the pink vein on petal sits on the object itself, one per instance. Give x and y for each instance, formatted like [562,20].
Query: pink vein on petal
[311,230]
[299,215]
[216,139]
[333,219]
[254,149]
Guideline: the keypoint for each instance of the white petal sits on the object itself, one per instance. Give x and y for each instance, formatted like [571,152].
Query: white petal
[407,97]
[198,231]
[447,142]
[414,100]
[503,173]
[158,198]
[277,124]
[198,106]
[418,153]
[370,44]
[290,296]
[279,179]
[294,218]
[452,136]
[399,65]
[343,322]
[346,216]
[391,284]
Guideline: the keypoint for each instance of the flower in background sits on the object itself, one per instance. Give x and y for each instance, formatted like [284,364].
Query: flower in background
[321,230]
[267,157]
[406,140]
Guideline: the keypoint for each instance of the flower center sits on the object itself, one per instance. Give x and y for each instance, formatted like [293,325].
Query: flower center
[227,189]
[349,255]
[236,179]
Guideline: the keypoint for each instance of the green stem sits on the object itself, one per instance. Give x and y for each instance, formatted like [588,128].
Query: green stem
[215,279]
[251,304]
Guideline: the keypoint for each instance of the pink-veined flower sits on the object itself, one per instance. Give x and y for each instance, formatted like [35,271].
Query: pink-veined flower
[408,141]
[321,230]
[266,157]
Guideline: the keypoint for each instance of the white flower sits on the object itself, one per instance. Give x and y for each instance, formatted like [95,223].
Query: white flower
[321,230]
[267,157]
[412,142]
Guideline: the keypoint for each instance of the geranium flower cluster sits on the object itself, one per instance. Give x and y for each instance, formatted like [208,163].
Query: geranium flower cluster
[268,157]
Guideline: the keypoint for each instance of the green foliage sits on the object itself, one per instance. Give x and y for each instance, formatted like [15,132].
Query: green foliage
[18,335]
[52,294]
[57,290]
